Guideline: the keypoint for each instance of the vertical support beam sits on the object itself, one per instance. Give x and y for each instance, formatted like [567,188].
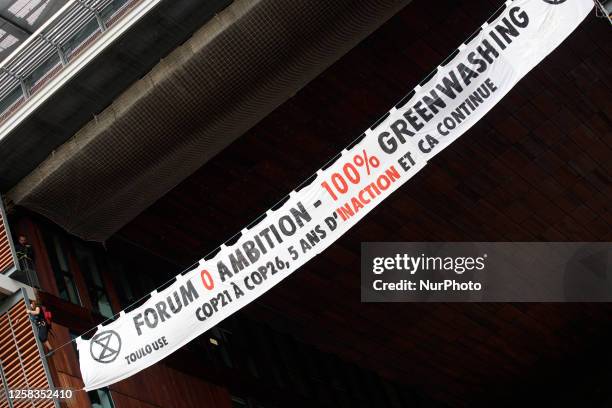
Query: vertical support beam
[96,14]
[62,56]
[9,237]
[24,88]
[19,356]
[101,23]
[5,385]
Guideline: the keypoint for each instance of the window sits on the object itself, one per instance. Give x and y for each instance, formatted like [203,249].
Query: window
[238,402]
[122,284]
[28,9]
[88,263]
[218,343]
[58,256]
[101,398]
[7,40]
[110,10]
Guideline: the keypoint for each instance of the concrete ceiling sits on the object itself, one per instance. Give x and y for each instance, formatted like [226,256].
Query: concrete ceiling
[230,74]
[97,84]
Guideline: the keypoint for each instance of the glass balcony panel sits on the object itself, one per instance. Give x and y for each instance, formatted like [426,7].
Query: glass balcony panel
[44,72]
[110,11]
[10,99]
[77,42]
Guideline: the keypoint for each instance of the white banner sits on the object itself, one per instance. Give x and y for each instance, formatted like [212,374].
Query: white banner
[438,112]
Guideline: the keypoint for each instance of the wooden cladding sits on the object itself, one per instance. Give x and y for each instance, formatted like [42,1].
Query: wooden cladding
[6,254]
[21,364]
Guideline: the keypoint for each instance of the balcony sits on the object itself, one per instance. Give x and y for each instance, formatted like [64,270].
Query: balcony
[13,264]
[68,40]
[52,86]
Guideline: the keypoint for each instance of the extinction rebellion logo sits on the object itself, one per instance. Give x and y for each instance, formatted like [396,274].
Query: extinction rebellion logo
[105,346]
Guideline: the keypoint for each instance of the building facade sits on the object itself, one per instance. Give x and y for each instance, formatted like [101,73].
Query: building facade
[241,363]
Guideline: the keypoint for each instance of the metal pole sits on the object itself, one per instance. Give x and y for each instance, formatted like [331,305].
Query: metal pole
[41,349]
[24,88]
[5,385]
[599,5]
[19,356]
[9,236]
[58,49]
[101,23]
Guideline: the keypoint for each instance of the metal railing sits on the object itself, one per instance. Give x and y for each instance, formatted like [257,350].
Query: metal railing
[8,257]
[19,266]
[54,46]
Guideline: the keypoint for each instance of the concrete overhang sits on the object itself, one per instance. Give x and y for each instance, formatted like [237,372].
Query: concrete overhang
[231,73]
[147,32]
[9,286]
